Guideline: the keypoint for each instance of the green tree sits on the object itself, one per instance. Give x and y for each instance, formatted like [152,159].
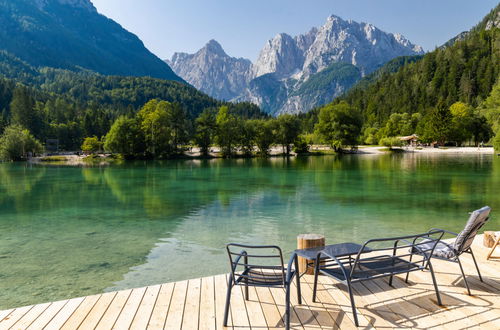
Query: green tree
[228,131]
[247,136]
[154,121]
[491,107]
[179,125]
[461,121]
[339,125]
[22,109]
[496,141]
[264,135]
[16,143]
[287,131]
[125,137]
[91,144]
[438,125]
[206,128]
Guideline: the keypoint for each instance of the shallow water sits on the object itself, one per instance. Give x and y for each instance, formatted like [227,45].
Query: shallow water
[71,231]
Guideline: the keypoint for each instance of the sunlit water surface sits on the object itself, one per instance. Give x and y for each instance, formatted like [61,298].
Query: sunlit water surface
[71,231]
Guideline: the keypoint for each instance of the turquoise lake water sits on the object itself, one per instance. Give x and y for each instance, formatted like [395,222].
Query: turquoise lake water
[74,231]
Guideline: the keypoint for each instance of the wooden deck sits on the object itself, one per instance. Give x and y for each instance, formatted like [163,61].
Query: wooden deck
[199,304]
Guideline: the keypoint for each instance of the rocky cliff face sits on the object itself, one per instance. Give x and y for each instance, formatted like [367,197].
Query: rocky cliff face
[285,64]
[212,71]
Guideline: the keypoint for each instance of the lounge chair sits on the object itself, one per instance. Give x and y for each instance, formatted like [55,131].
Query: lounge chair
[246,271]
[383,257]
[463,241]
[497,243]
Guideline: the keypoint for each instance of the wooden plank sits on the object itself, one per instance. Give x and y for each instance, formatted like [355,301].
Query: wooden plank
[191,312]
[472,310]
[271,311]
[144,311]
[14,316]
[81,312]
[128,312]
[220,282]
[238,309]
[176,310]
[207,304]
[279,298]
[161,308]
[332,306]
[322,316]
[111,314]
[304,312]
[254,309]
[5,313]
[31,316]
[48,314]
[96,313]
[342,298]
[64,314]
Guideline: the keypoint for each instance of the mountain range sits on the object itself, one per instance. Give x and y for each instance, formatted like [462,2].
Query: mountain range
[71,34]
[294,74]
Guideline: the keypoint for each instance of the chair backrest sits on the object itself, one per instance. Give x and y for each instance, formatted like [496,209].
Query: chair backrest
[419,248]
[243,258]
[465,238]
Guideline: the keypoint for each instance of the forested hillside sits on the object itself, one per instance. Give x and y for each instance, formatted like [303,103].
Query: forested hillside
[424,88]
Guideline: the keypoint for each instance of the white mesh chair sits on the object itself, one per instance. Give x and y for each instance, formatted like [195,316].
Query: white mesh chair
[463,241]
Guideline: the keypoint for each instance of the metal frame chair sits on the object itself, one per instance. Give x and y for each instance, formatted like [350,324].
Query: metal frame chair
[369,264]
[248,273]
[463,242]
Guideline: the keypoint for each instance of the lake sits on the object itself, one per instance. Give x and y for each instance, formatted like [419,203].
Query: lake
[74,231]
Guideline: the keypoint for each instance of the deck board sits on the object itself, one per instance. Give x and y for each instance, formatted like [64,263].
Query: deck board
[199,303]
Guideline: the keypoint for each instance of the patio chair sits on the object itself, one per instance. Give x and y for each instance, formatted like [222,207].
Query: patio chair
[383,257]
[497,243]
[462,243]
[253,265]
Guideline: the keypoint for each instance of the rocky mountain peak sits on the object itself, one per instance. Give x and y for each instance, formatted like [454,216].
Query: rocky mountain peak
[278,79]
[214,47]
[81,4]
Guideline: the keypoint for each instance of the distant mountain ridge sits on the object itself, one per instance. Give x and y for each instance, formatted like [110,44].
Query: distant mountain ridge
[71,34]
[286,63]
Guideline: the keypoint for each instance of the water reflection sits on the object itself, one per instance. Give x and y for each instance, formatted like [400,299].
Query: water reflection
[69,231]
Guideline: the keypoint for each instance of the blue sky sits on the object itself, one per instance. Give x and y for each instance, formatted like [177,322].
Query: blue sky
[243,26]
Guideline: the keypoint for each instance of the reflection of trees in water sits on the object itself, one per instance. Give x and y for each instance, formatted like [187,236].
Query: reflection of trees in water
[17,180]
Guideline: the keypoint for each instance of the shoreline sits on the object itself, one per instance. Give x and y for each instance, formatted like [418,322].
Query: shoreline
[194,154]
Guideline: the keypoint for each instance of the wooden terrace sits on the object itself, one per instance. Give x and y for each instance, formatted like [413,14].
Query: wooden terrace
[199,304]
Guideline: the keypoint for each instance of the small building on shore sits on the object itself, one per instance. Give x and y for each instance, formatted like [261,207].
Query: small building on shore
[410,140]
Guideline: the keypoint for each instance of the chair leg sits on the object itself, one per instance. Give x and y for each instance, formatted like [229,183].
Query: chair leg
[463,275]
[287,310]
[353,306]
[247,295]
[315,286]
[475,263]
[408,274]
[297,276]
[493,248]
[438,296]
[228,299]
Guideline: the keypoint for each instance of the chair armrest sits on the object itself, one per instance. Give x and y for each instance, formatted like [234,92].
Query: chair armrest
[289,267]
[446,231]
[339,263]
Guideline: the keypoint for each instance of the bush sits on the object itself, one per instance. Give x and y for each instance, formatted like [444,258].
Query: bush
[391,142]
[16,143]
[301,146]
[91,145]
